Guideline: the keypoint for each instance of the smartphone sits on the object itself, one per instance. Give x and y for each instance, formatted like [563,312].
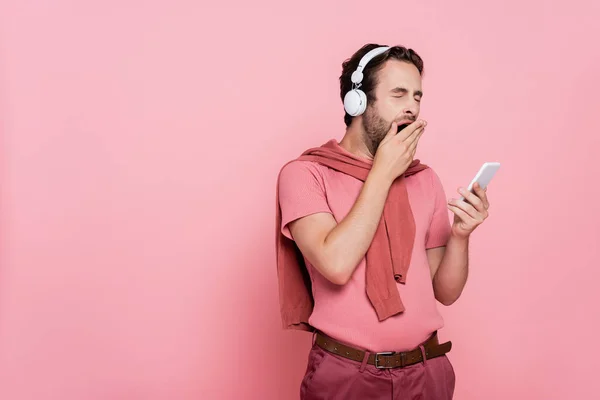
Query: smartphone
[484,176]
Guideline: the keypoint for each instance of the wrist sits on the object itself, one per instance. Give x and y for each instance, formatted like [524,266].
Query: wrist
[380,177]
[460,237]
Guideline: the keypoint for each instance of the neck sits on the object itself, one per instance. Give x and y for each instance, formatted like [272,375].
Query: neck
[353,142]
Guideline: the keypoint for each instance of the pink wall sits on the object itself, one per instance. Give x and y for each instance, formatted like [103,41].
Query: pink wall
[140,146]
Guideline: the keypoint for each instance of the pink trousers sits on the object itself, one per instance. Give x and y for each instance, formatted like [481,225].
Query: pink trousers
[332,377]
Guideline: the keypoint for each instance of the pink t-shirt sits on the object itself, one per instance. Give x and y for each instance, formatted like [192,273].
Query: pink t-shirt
[345,312]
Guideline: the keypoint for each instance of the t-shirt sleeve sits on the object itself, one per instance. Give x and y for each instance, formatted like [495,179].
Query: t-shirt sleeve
[440,227]
[301,193]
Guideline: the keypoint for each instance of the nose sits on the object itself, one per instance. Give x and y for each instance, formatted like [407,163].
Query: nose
[411,109]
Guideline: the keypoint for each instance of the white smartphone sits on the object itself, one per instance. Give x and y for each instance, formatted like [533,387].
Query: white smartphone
[484,176]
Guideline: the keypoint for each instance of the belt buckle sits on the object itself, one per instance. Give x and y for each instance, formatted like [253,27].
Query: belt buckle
[384,353]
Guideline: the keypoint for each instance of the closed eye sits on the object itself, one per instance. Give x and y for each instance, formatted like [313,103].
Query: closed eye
[417,99]
[400,92]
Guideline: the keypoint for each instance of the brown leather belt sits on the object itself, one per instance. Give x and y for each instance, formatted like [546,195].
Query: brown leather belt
[386,359]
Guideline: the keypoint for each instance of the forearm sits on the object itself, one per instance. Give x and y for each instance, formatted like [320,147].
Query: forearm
[348,242]
[451,275]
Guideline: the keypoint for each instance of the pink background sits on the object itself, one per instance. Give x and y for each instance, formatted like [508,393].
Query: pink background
[140,147]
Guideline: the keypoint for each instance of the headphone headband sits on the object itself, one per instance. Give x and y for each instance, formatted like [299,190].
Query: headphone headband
[355,101]
[357,76]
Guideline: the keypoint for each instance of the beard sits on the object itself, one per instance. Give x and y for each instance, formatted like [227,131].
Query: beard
[375,129]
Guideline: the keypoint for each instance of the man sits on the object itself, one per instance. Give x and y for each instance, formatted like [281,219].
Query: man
[365,246]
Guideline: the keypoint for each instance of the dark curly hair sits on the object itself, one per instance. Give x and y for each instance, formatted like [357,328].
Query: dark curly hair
[369,81]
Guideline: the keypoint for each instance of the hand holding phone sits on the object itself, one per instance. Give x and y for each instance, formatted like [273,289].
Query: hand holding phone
[469,215]
[484,176]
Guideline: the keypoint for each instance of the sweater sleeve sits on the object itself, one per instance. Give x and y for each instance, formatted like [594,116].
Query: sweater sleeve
[301,193]
[440,227]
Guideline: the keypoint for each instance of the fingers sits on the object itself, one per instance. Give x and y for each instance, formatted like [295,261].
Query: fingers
[468,223]
[466,208]
[414,140]
[411,130]
[472,199]
[478,199]
[460,213]
[392,130]
[481,193]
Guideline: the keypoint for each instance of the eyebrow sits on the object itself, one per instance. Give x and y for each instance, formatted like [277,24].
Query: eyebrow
[405,91]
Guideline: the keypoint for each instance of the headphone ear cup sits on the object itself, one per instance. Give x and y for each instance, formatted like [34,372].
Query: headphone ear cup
[363,102]
[355,102]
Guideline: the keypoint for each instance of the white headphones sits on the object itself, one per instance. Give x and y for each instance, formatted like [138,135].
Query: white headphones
[355,101]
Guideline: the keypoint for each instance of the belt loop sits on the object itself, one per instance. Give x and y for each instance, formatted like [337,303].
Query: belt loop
[314,336]
[364,361]
[423,354]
